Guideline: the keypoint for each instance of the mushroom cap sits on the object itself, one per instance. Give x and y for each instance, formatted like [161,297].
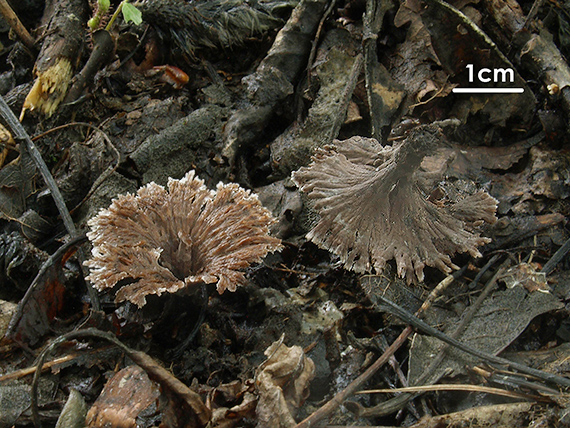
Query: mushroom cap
[164,240]
[372,210]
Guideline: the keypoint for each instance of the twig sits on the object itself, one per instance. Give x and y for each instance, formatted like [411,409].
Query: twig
[311,59]
[556,258]
[403,380]
[482,271]
[473,309]
[533,11]
[154,370]
[315,40]
[15,23]
[356,384]
[19,133]
[54,363]
[102,53]
[457,387]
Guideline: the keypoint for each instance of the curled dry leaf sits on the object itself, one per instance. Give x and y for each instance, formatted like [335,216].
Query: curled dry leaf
[282,384]
[231,403]
[372,209]
[164,240]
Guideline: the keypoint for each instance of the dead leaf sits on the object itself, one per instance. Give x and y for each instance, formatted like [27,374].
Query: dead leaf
[545,179]
[525,275]
[16,186]
[231,402]
[283,385]
[43,302]
[503,316]
[414,64]
[126,395]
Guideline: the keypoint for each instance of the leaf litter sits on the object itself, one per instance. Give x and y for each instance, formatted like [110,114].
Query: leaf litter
[302,334]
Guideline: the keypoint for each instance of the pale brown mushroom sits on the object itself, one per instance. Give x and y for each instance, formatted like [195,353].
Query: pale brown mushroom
[372,209]
[164,240]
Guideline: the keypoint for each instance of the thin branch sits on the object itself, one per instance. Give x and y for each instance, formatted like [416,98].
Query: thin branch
[18,374]
[19,133]
[54,258]
[393,404]
[556,258]
[456,387]
[467,318]
[314,42]
[12,19]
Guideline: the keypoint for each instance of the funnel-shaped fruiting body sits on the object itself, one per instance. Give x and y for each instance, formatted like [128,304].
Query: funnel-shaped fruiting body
[164,240]
[372,210]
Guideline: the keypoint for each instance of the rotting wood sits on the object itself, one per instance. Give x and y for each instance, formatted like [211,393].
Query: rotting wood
[537,52]
[59,55]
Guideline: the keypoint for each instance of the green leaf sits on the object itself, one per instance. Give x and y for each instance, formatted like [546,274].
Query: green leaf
[93,23]
[104,6]
[131,13]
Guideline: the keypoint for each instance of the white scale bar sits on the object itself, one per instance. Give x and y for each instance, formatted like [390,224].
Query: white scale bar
[488,90]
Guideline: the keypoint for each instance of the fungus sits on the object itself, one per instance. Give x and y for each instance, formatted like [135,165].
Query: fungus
[162,241]
[372,208]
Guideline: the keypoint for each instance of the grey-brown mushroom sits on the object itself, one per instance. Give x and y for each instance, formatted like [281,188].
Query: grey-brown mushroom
[372,209]
[164,240]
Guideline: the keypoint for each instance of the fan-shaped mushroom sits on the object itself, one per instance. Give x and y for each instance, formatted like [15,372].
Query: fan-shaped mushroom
[372,209]
[163,240]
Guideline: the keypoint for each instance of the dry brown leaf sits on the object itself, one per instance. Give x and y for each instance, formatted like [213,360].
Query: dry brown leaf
[526,275]
[124,396]
[231,402]
[283,385]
